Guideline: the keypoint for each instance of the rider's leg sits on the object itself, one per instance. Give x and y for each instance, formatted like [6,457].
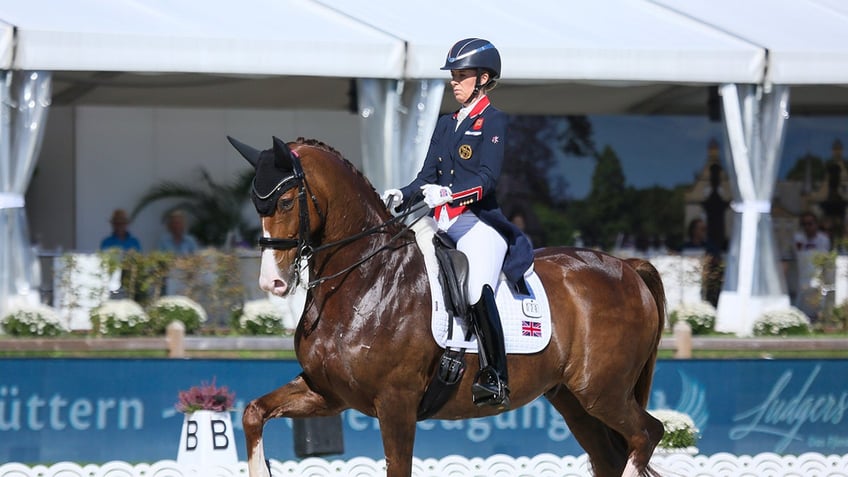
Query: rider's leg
[491,384]
[485,249]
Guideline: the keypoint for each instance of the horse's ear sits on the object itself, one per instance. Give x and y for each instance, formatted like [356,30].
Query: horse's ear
[249,153]
[283,157]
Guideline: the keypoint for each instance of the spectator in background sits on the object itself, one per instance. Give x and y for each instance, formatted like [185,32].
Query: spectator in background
[808,242]
[697,244]
[811,237]
[177,240]
[121,237]
[696,240]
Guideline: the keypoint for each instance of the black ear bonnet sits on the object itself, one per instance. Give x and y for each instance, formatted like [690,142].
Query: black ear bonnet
[277,170]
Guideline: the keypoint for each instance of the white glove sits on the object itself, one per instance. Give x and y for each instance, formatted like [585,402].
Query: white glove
[391,196]
[436,195]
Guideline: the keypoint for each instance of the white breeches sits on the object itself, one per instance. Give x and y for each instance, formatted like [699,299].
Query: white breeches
[485,249]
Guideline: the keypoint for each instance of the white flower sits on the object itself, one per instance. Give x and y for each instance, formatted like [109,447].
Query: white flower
[120,317]
[31,319]
[700,315]
[782,321]
[261,317]
[680,430]
[173,302]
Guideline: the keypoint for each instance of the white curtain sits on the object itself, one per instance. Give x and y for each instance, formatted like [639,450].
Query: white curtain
[398,118]
[24,101]
[753,282]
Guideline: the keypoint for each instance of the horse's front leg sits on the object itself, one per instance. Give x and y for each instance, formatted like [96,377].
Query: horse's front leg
[397,428]
[295,399]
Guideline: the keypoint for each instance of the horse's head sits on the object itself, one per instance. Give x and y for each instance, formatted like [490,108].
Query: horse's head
[289,212]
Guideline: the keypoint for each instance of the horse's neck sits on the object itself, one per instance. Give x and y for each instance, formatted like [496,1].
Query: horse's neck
[394,273]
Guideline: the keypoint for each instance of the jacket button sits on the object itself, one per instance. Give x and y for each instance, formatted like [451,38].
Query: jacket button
[440,159]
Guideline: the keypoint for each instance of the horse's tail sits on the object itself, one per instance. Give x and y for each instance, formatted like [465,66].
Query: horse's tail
[652,279]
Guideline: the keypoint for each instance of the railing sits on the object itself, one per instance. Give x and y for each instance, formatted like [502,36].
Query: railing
[543,465]
[177,344]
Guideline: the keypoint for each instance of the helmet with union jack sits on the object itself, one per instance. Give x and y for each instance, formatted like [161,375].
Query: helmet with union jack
[474,53]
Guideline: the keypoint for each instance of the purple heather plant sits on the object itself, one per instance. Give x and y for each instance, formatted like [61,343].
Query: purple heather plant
[205,397]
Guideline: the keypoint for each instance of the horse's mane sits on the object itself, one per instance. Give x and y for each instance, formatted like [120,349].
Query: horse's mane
[315,143]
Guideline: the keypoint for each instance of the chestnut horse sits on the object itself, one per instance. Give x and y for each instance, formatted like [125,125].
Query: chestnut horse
[364,340]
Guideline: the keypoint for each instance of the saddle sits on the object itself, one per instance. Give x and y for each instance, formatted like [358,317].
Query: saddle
[524,310]
[453,276]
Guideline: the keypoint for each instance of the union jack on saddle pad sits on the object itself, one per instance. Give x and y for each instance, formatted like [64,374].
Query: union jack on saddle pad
[526,319]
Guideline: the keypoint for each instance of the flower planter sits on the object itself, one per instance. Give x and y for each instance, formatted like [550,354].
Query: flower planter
[676,451]
[207,440]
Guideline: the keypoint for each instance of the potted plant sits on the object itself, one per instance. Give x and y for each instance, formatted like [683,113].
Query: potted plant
[207,437]
[23,318]
[700,315]
[681,434]
[782,322]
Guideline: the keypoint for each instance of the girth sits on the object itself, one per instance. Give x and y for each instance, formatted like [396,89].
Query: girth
[453,276]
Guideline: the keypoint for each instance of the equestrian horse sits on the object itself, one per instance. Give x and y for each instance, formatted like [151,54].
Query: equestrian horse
[364,340]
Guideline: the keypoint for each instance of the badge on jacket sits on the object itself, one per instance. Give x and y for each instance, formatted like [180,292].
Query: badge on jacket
[478,124]
[465,151]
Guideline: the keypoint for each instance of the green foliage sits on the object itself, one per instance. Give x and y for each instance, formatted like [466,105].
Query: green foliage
[24,319]
[602,213]
[176,308]
[143,274]
[526,182]
[208,278]
[838,318]
[700,316]
[680,430]
[215,208]
[258,317]
[558,226]
[783,322]
[120,318]
[798,172]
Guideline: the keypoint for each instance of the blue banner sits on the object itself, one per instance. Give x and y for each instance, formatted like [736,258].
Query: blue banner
[93,410]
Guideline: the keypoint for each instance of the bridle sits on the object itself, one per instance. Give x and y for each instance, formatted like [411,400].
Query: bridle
[305,249]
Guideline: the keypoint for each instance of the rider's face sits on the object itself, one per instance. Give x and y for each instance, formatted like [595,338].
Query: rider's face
[463,82]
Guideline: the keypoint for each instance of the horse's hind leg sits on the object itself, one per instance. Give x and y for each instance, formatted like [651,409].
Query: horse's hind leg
[606,449]
[624,418]
[295,399]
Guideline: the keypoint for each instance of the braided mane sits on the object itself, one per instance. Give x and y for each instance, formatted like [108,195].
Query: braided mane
[315,143]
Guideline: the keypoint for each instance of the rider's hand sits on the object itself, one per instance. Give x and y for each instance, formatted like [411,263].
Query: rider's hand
[392,196]
[436,195]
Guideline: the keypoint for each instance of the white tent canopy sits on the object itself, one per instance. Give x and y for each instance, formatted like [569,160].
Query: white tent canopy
[545,41]
[255,37]
[806,40]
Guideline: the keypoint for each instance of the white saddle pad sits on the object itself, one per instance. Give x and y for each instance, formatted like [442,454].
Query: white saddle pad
[526,319]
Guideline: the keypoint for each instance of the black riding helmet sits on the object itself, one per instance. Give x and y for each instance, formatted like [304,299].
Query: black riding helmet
[475,53]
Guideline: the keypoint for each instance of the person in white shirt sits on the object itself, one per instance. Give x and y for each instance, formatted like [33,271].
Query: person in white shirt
[808,242]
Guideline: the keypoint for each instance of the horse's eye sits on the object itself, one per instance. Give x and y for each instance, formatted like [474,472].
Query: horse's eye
[285,204]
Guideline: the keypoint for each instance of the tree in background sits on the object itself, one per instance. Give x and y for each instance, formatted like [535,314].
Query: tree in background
[808,164]
[527,186]
[602,216]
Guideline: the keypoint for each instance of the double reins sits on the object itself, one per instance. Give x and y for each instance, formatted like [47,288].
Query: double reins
[305,250]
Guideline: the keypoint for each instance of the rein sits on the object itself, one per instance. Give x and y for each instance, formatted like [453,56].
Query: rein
[302,242]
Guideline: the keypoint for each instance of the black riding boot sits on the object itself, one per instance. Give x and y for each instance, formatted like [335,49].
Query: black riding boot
[490,386]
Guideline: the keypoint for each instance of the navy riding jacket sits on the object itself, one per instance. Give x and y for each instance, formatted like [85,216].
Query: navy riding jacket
[468,160]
